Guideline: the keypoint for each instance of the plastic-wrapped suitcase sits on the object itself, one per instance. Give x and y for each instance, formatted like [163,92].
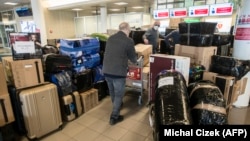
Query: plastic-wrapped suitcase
[171,105]
[68,108]
[63,81]
[41,110]
[207,103]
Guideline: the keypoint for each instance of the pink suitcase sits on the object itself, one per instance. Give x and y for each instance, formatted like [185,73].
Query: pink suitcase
[41,110]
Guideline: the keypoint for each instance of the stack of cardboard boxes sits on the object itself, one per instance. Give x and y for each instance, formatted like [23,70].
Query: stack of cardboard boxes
[6,112]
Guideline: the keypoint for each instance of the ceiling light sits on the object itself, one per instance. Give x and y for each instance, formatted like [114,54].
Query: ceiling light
[10,3]
[95,11]
[121,3]
[137,7]
[115,9]
[77,9]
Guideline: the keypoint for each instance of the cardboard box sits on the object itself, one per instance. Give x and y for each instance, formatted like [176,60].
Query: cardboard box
[8,109]
[89,99]
[198,55]
[145,73]
[3,82]
[145,51]
[209,76]
[174,22]
[23,73]
[160,62]
[225,83]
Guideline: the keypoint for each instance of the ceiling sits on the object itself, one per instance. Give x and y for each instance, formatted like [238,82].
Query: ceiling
[92,6]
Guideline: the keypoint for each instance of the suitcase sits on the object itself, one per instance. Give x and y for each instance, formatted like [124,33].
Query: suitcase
[83,81]
[56,63]
[171,99]
[63,81]
[41,110]
[102,88]
[207,103]
[136,35]
[18,124]
[77,100]
[98,74]
[68,108]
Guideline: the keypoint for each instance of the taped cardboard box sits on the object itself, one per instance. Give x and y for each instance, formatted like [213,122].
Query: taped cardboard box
[198,55]
[3,82]
[145,51]
[209,76]
[23,73]
[225,83]
[6,112]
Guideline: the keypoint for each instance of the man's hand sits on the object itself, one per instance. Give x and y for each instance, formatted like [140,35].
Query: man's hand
[145,41]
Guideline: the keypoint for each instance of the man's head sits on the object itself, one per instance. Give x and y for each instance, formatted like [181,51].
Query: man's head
[156,25]
[124,27]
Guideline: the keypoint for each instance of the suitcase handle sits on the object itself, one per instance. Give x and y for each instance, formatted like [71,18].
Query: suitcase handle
[37,72]
[4,110]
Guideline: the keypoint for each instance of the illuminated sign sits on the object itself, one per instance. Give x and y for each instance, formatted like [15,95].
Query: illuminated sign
[221,9]
[161,14]
[198,11]
[178,13]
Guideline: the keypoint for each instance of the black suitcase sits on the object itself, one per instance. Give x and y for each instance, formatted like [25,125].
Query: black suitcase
[83,81]
[136,35]
[172,101]
[56,63]
[164,48]
[18,124]
[171,105]
[102,88]
[207,103]
[198,40]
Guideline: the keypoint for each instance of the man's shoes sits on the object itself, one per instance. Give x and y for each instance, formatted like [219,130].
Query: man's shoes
[113,121]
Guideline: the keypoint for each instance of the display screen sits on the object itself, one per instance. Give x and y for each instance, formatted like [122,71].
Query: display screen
[24,11]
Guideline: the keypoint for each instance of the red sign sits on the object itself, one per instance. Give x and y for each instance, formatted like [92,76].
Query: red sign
[224,10]
[198,11]
[201,11]
[180,13]
[242,34]
[221,9]
[162,14]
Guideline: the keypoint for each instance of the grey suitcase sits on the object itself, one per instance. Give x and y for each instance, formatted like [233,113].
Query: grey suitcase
[41,110]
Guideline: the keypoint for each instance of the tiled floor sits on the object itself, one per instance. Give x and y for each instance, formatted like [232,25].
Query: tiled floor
[94,125]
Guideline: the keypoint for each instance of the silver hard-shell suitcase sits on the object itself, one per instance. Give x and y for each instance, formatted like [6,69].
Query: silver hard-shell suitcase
[41,110]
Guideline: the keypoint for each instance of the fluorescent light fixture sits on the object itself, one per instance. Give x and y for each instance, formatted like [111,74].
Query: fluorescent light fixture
[137,7]
[115,9]
[77,9]
[121,3]
[95,11]
[10,3]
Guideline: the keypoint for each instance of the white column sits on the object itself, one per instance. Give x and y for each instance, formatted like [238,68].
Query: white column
[38,16]
[241,48]
[103,11]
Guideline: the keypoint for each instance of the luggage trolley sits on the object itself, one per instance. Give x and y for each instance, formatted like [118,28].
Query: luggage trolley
[135,78]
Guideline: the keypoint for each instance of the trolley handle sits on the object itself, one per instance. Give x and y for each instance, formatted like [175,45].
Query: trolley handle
[140,58]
